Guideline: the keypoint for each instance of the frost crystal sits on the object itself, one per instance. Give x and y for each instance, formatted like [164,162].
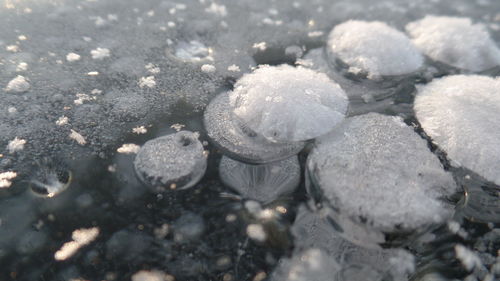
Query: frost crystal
[460,114]
[15,145]
[378,171]
[374,48]
[100,53]
[455,41]
[283,103]
[148,82]
[173,161]
[18,85]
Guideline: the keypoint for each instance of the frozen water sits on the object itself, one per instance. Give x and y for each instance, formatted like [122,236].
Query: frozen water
[376,170]
[310,265]
[239,142]
[173,161]
[460,114]
[373,48]
[283,103]
[265,182]
[455,41]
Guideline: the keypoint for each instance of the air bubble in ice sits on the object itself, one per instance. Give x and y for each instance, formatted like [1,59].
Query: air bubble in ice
[264,182]
[238,141]
[373,48]
[378,172]
[284,103]
[48,181]
[455,41]
[172,161]
[460,114]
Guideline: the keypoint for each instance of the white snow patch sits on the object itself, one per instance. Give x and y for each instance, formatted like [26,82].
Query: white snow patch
[81,237]
[6,179]
[72,57]
[208,68]
[148,82]
[139,130]
[233,68]
[18,85]
[74,135]
[100,53]
[262,46]
[22,66]
[128,148]
[15,145]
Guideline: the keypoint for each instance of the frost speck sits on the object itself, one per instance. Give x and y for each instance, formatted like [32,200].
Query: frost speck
[81,237]
[128,148]
[6,179]
[15,145]
[18,85]
[262,46]
[233,68]
[63,120]
[100,53]
[139,130]
[71,57]
[208,68]
[148,82]
[74,135]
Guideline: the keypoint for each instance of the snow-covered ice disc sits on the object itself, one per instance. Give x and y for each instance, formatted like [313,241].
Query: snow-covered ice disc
[460,114]
[175,161]
[263,183]
[455,41]
[238,141]
[284,103]
[373,48]
[378,174]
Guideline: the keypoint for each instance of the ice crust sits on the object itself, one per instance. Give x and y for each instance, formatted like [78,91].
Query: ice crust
[460,114]
[374,48]
[239,142]
[455,41]
[376,169]
[172,161]
[263,183]
[283,103]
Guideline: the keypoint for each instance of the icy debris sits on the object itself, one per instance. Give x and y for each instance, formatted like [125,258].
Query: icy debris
[139,130]
[172,161]
[61,121]
[81,98]
[15,145]
[217,9]
[18,85]
[374,48]
[153,69]
[208,68]
[71,57]
[193,51]
[284,103]
[460,114]
[148,82]
[256,232]
[262,46]
[238,141]
[74,135]
[233,68]
[100,53]
[81,237]
[263,183]
[467,257]
[128,148]
[6,179]
[152,275]
[376,170]
[455,41]
[311,265]
[177,127]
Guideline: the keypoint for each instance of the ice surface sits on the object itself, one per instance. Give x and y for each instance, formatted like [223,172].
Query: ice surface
[237,141]
[172,161]
[377,170]
[265,182]
[460,114]
[283,103]
[374,48]
[455,41]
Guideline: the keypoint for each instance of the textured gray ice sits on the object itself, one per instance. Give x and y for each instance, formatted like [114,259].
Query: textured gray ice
[461,115]
[284,103]
[265,182]
[172,161]
[455,41]
[376,169]
[374,48]
[238,141]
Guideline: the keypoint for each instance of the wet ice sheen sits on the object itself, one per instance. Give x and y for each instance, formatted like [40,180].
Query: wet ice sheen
[379,172]
[455,41]
[283,103]
[460,114]
[374,48]
[172,161]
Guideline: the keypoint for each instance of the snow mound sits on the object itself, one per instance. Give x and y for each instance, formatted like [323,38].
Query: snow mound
[283,103]
[374,48]
[172,161]
[380,173]
[455,41]
[460,114]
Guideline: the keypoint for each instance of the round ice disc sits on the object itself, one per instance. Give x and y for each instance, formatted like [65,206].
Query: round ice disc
[377,172]
[172,161]
[264,183]
[284,103]
[455,41]
[240,142]
[373,48]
